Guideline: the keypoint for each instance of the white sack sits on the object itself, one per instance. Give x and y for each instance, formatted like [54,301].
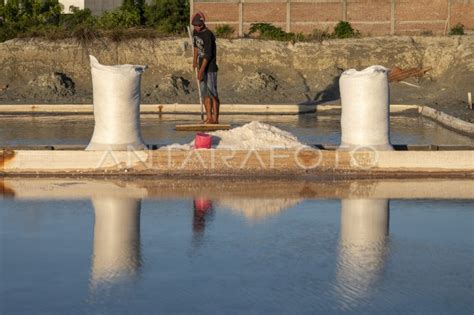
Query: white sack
[116,107]
[365,119]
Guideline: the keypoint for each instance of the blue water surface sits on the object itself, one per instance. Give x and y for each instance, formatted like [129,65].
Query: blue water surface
[241,256]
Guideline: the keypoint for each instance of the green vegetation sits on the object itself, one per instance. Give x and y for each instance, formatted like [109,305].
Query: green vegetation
[168,16]
[224,31]
[135,18]
[458,29]
[271,32]
[344,30]
[319,35]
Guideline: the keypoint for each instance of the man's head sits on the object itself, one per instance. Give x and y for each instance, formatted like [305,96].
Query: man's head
[198,21]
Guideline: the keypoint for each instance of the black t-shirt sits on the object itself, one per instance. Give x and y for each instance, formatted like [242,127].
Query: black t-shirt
[205,42]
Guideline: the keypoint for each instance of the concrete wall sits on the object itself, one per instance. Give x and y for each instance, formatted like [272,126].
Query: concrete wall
[371,17]
[99,6]
[68,3]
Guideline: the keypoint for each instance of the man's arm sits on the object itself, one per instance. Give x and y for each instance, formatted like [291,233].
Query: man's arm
[205,61]
[195,57]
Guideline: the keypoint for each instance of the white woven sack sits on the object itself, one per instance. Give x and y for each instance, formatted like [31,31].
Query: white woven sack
[365,118]
[116,107]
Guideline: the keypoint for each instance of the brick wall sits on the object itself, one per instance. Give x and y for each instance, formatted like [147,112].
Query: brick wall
[370,17]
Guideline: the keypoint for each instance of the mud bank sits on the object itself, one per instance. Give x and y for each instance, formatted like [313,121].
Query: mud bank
[251,71]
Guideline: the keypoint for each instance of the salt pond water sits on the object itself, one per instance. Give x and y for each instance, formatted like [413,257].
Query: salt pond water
[168,247]
[310,128]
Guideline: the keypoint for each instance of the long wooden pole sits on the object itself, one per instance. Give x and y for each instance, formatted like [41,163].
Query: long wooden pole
[196,73]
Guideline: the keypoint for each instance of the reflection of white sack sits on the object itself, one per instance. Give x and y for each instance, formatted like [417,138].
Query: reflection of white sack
[365,119]
[362,246]
[116,107]
[116,251]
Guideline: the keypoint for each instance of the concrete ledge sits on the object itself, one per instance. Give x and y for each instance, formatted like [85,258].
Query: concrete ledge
[272,109]
[226,162]
[447,120]
[327,146]
[61,188]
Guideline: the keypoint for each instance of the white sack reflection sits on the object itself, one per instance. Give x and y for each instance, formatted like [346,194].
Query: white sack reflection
[116,252]
[362,247]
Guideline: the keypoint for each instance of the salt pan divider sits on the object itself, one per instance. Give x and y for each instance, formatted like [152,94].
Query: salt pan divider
[365,118]
[116,107]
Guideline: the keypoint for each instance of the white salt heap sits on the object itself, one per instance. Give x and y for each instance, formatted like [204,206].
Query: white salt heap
[254,135]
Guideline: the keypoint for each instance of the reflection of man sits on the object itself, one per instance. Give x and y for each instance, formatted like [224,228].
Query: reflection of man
[204,57]
[202,208]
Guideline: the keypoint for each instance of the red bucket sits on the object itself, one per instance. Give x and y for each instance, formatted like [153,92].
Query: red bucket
[202,141]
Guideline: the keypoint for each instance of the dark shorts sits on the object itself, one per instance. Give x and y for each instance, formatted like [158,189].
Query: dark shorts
[208,85]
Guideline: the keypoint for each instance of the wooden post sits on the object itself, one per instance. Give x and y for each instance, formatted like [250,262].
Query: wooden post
[392,16]
[191,9]
[241,18]
[344,10]
[449,15]
[288,16]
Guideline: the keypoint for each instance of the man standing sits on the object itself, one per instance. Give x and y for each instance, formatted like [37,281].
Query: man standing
[204,57]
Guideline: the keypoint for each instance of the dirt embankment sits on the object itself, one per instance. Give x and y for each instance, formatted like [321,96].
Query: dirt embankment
[251,71]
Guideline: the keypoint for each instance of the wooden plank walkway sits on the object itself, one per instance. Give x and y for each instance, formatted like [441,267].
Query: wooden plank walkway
[202,127]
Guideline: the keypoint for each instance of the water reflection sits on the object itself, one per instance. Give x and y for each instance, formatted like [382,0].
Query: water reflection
[116,250]
[362,248]
[310,128]
[203,212]
[257,209]
[319,256]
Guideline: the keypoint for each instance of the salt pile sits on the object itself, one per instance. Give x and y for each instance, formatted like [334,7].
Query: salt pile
[254,135]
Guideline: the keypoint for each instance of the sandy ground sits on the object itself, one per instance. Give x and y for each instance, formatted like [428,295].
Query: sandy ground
[251,71]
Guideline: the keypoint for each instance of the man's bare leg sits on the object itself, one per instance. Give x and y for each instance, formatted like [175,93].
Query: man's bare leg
[208,107]
[215,109]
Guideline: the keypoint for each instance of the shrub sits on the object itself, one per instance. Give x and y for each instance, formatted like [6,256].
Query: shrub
[119,18]
[78,18]
[319,35]
[268,31]
[137,6]
[271,32]
[458,29]
[6,32]
[48,11]
[344,29]
[224,31]
[167,16]
[85,34]
[27,18]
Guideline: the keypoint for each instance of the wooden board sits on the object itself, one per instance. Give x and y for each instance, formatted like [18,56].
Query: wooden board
[202,127]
